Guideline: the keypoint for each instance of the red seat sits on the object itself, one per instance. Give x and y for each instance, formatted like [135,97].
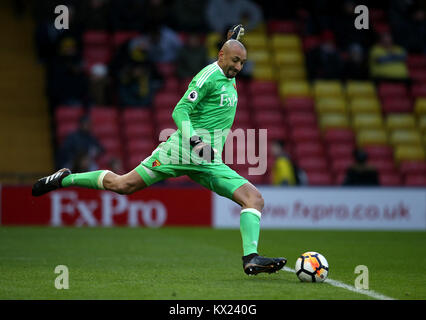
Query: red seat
[299,104]
[319,178]
[301,118]
[389,179]
[418,90]
[97,55]
[106,129]
[96,38]
[277,133]
[166,69]
[412,167]
[266,102]
[171,84]
[63,129]
[282,26]
[242,102]
[388,89]
[120,37]
[103,114]
[340,150]
[257,87]
[111,144]
[311,42]
[383,165]
[340,165]
[267,118]
[136,115]
[418,75]
[163,115]
[300,134]
[341,135]
[416,61]
[308,149]
[68,113]
[397,105]
[138,130]
[313,163]
[379,152]
[166,100]
[415,180]
[140,146]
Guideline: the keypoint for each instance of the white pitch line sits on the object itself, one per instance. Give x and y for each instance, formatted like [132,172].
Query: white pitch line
[339,284]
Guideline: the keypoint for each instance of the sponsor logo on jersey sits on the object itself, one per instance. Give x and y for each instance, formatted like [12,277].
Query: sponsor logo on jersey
[156,163]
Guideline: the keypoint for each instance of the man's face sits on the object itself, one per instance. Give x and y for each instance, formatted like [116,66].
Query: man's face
[233,60]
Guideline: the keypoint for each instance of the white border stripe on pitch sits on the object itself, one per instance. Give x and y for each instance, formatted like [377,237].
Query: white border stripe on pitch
[339,284]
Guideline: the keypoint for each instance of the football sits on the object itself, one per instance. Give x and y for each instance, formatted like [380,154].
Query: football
[311,267]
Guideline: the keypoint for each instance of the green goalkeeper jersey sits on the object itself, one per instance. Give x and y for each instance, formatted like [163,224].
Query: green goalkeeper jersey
[207,109]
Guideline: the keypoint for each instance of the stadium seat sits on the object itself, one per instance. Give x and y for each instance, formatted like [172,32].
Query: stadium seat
[339,135]
[266,102]
[166,69]
[294,89]
[331,105]
[415,180]
[63,129]
[136,115]
[288,58]
[392,90]
[166,100]
[341,164]
[112,145]
[286,42]
[416,61]
[383,165]
[255,41]
[106,130]
[418,75]
[266,118]
[319,178]
[310,42]
[96,38]
[367,137]
[379,152]
[400,121]
[92,55]
[277,132]
[327,88]
[282,26]
[308,149]
[405,137]
[103,114]
[140,145]
[340,150]
[313,164]
[412,167]
[300,134]
[367,121]
[388,179]
[404,152]
[397,105]
[65,113]
[358,89]
[333,120]
[364,105]
[260,56]
[418,90]
[262,87]
[305,104]
[420,106]
[264,72]
[136,130]
[422,124]
[301,118]
[296,72]
[120,37]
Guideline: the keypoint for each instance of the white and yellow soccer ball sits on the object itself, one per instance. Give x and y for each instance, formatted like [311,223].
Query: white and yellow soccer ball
[311,267]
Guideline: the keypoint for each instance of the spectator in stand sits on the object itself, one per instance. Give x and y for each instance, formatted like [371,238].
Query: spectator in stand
[221,14]
[164,44]
[387,60]
[356,66]
[325,61]
[360,173]
[67,82]
[192,57]
[99,84]
[284,171]
[80,148]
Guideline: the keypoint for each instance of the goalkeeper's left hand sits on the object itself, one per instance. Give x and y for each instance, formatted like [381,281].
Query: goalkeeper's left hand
[236,32]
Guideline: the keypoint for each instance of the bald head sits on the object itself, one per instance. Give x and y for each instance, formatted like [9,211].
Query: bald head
[232,57]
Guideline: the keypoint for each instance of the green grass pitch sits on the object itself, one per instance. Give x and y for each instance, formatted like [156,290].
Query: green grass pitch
[201,263]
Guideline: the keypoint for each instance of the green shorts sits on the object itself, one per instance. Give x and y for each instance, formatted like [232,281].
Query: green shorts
[217,177]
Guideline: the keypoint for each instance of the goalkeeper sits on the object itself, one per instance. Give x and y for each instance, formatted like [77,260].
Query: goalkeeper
[203,117]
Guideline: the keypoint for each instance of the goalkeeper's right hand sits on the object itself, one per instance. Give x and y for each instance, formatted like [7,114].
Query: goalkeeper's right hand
[202,149]
[236,32]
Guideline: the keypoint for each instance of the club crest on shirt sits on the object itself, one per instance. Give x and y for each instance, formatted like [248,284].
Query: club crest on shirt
[156,163]
[193,95]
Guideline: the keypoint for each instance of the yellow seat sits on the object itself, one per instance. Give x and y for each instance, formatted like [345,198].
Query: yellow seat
[255,41]
[328,88]
[400,121]
[286,42]
[298,88]
[420,106]
[260,56]
[333,121]
[288,58]
[357,89]
[332,104]
[364,105]
[263,72]
[292,73]
[422,123]
[212,40]
[367,121]
[404,152]
[405,137]
[371,137]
